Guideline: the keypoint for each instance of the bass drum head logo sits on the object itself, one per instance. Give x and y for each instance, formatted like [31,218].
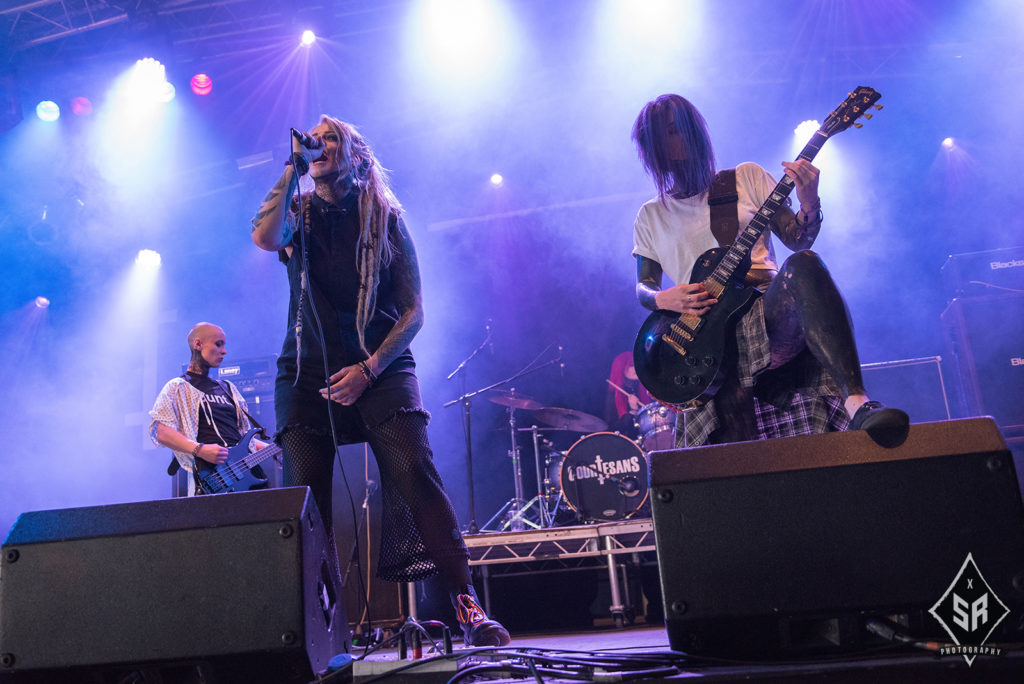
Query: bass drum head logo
[969,611]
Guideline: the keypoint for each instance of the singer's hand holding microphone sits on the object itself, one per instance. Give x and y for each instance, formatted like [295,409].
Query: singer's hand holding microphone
[305,150]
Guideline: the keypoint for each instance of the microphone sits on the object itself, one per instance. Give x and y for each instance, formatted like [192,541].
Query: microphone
[307,141]
[490,343]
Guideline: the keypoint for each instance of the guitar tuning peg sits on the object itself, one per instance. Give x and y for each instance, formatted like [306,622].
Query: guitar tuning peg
[857,124]
[878,107]
[868,116]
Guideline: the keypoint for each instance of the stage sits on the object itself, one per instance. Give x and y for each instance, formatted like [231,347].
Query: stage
[642,654]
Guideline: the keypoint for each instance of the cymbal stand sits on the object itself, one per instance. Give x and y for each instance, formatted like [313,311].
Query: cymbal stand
[544,512]
[516,518]
[466,400]
[515,511]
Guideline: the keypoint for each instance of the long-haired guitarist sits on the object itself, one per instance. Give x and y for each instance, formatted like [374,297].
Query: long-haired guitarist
[196,416]
[795,368]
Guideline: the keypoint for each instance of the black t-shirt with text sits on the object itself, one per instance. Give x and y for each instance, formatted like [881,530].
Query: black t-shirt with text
[222,407]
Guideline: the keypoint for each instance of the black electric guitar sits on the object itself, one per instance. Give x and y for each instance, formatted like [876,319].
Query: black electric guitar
[235,474]
[680,358]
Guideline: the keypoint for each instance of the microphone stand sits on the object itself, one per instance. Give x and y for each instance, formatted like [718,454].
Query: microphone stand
[467,403]
[466,400]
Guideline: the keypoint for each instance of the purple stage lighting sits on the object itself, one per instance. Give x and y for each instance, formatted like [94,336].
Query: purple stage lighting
[42,302]
[948,143]
[497,179]
[202,84]
[308,38]
[81,106]
[48,111]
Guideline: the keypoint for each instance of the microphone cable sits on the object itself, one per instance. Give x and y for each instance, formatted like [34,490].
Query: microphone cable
[305,286]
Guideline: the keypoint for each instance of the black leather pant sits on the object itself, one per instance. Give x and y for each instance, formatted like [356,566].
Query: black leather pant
[803,308]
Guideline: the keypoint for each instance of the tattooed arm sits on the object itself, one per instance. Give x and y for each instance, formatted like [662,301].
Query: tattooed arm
[689,298]
[405,275]
[272,225]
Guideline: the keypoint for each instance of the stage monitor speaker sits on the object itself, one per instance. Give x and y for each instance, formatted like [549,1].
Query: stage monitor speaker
[984,337]
[238,583]
[783,548]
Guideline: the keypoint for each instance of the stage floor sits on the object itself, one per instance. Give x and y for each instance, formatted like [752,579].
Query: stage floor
[642,654]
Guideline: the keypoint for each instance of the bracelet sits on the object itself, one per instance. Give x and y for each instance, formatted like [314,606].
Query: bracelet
[301,165]
[195,452]
[818,217]
[367,373]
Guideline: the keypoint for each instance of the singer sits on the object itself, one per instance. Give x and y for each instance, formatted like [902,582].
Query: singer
[354,284]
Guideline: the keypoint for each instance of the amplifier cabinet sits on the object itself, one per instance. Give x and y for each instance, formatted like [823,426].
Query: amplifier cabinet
[985,338]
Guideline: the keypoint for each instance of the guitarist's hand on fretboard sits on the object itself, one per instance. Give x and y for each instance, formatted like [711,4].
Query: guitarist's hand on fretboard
[213,453]
[688,298]
[805,177]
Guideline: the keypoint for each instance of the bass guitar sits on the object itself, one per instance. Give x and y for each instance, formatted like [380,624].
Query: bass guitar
[680,358]
[235,474]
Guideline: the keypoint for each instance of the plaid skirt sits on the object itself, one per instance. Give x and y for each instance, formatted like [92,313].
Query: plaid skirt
[798,399]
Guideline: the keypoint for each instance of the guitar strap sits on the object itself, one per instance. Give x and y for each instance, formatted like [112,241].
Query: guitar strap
[733,403]
[725,222]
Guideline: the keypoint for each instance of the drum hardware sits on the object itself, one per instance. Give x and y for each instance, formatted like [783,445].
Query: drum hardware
[514,515]
[569,419]
[516,508]
[511,399]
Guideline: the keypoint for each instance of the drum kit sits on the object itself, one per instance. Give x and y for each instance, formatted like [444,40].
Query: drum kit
[602,477]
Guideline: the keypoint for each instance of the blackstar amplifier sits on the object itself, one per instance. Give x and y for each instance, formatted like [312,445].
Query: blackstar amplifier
[984,273]
[985,337]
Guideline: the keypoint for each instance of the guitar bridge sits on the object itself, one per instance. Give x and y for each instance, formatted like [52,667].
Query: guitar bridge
[675,345]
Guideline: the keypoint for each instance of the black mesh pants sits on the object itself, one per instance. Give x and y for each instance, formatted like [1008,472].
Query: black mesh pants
[419,531]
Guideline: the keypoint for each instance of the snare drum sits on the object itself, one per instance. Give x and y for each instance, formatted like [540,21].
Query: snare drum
[656,426]
[604,477]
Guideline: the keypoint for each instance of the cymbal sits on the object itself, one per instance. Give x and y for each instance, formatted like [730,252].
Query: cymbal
[569,419]
[512,399]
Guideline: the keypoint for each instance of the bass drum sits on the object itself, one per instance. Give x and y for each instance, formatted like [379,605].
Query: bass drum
[604,477]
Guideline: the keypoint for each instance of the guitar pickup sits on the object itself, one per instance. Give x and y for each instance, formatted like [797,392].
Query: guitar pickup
[682,333]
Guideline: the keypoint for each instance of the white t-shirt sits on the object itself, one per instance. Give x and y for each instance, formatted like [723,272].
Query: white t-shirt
[677,231]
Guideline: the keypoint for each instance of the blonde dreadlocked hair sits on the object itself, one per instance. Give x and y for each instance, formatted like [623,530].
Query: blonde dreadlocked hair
[377,204]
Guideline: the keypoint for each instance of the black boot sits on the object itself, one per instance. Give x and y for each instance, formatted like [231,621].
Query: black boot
[888,427]
[477,628]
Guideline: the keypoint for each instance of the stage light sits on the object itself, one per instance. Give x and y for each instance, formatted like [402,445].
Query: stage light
[148,260]
[42,302]
[308,38]
[496,179]
[81,106]
[167,92]
[806,129]
[48,111]
[202,84]
[462,38]
[148,83]
[948,143]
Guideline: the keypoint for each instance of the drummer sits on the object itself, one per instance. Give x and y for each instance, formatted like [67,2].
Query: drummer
[625,397]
